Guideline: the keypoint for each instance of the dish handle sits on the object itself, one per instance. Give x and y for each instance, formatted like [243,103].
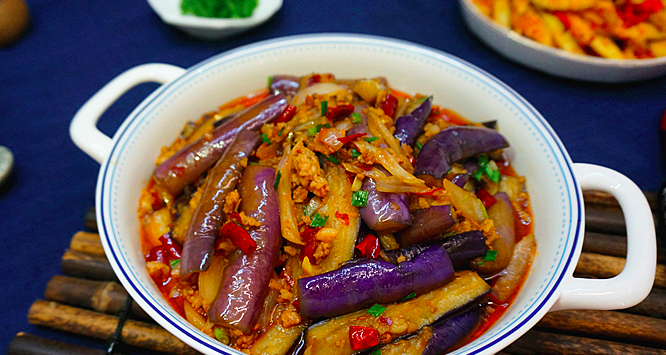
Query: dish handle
[83,128]
[635,281]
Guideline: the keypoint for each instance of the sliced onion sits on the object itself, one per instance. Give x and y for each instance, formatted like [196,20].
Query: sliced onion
[319,89]
[288,221]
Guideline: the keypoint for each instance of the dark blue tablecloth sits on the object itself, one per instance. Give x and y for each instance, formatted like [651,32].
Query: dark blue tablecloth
[74,47]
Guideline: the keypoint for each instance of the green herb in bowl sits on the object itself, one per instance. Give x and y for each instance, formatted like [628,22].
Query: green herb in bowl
[219,8]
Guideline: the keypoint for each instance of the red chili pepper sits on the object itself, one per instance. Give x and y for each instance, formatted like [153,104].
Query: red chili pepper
[157,254]
[343,217]
[235,217]
[310,243]
[351,137]
[389,105]
[385,320]
[339,111]
[172,249]
[287,114]
[157,200]
[486,198]
[363,337]
[239,236]
[633,14]
[430,192]
[563,18]
[369,246]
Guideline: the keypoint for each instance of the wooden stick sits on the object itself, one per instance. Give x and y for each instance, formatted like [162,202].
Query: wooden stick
[101,326]
[604,266]
[621,326]
[90,220]
[87,266]
[102,296]
[613,245]
[654,305]
[28,344]
[88,243]
[543,343]
[594,197]
[603,213]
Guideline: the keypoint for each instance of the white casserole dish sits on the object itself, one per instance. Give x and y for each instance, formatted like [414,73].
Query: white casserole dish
[553,181]
[556,61]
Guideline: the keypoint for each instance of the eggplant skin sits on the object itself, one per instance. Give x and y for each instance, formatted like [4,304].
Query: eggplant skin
[408,127]
[187,164]
[205,224]
[427,223]
[454,144]
[385,211]
[448,332]
[365,282]
[286,85]
[461,248]
[245,281]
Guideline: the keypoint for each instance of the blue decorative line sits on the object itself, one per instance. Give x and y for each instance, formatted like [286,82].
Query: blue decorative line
[312,40]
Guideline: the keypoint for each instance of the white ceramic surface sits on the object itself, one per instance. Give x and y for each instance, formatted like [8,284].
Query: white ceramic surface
[212,28]
[553,181]
[555,61]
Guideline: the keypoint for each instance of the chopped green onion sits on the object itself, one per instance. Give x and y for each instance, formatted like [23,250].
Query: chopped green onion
[221,335]
[264,138]
[409,296]
[359,198]
[371,139]
[478,174]
[324,107]
[377,351]
[252,163]
[312,131]
[494,175]
[355,153]
[173,263]
[356,118]
[333,159]
[277,180]
[318,221]
[280,133]
[320,126]
[376,310]
[419,145]
[270,81]
[483,162]
[490,255]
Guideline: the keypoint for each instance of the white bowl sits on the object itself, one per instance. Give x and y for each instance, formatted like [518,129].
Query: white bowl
[553,181]
[555,61]
[212,28]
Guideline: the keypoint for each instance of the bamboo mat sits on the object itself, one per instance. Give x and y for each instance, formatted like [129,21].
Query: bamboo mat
[86,301]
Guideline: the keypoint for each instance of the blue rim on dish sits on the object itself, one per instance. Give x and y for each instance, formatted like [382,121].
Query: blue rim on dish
[491,338]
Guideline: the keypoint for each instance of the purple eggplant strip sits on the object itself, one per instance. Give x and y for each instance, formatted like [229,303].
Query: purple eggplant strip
[385,211]
[205,224]
[427,223]
[186,165]
[454,144]
[462,248]
[359,285]
[245,282]
[448,332]
[286,85]
[408,127]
